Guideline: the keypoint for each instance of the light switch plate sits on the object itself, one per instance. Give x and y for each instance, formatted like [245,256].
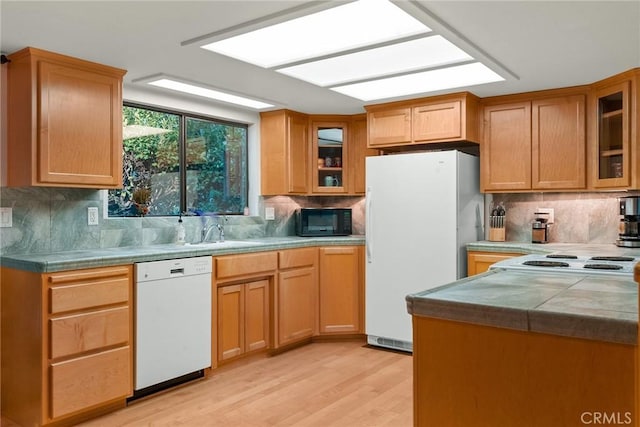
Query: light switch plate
[6,217]
[92,215]
[269,213]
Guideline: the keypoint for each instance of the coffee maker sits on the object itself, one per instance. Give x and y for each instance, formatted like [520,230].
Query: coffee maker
[629,235]
[540,228]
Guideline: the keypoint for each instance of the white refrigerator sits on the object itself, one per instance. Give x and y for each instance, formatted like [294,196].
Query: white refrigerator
[421,210]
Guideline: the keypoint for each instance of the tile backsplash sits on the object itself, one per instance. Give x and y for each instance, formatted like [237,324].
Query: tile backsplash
[51,219]
[579,217]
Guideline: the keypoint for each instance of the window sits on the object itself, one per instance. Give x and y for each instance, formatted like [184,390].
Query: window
[175,162]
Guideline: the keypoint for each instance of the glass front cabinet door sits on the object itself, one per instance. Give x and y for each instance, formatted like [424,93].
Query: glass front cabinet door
[330,157]
[612,155]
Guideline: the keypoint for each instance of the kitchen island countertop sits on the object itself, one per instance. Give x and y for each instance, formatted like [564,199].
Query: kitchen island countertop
[597,307]
[89,258]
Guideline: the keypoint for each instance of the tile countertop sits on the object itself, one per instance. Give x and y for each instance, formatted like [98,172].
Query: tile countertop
[88,258]
[599,307]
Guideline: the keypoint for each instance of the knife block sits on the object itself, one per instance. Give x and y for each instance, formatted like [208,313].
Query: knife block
[497,230]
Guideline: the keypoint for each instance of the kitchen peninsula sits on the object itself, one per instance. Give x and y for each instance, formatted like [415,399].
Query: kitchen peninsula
[519,348]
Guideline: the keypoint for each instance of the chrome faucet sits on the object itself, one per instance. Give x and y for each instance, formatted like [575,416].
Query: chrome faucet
[206,230]
[220,227]
[221,232]
[205,233]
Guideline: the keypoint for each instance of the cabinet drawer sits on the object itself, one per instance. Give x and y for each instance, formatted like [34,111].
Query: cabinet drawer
[242,265]
[80,383]
[76,296]
[297,257]
[89,331]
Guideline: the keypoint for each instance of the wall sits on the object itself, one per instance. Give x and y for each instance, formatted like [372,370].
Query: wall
[285,206]
[50,220]
[579,217]
[55,219]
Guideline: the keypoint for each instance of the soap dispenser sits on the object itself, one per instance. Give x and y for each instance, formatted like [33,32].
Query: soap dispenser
[181,232]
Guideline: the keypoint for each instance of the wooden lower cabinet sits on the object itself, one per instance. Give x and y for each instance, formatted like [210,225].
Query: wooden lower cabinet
[66,343]
[244,283]
[479,262]
[296,296]
[90,380]
[243,319]
[341,290]
[485,376]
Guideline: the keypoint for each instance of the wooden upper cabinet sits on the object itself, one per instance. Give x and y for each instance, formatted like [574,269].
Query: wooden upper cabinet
[64,121]
[358,152]
[284,152]
[612,165]
[437,119]
[505,152]
[559,143]
[534,144]
[295,148]
[298,148]
[390,126]
[330,141]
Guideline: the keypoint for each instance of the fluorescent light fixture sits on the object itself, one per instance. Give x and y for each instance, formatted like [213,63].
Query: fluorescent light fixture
[208,93]
[413,55]
[350,26]
[427,81]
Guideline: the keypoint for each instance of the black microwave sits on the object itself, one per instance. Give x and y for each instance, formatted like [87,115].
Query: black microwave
[313,222]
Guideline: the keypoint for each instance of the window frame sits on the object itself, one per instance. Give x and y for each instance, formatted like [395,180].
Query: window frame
[182,147]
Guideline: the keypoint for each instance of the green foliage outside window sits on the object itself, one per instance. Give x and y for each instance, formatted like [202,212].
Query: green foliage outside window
[214,163]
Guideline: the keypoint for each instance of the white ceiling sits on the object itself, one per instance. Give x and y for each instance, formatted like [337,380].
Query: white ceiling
[545,44]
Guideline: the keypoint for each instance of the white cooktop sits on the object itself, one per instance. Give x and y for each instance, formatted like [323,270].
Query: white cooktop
[569,263]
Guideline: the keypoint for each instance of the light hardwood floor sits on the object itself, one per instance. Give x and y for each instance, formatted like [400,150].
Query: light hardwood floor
[321,384]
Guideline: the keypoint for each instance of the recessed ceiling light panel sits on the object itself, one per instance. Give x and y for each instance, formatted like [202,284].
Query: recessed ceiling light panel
[193,89]
[427,81]
[350,26]
[427,52]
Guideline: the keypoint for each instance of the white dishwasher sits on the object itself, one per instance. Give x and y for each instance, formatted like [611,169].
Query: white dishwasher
[172,322]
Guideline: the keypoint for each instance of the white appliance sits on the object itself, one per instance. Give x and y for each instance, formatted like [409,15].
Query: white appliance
[173,322]
[619,265]
[421,210]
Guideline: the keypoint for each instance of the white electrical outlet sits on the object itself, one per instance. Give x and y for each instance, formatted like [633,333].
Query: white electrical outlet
[548,211]
[92,216]
[6,217]
[269,213]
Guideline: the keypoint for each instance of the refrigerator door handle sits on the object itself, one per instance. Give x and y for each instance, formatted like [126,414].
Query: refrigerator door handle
[369,226]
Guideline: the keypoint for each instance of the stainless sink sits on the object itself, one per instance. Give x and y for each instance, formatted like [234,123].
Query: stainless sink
[225,244]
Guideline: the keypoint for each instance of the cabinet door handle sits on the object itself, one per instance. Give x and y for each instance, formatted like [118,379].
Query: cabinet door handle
[368,238]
